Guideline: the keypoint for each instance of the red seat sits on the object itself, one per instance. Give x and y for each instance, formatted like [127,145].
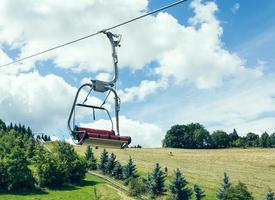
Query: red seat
[96,131]
[103,134]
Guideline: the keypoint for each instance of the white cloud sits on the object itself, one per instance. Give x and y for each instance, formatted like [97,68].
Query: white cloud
[145,134]
[246,106]
[145,89]
[235,8]
[40,102]
[187,53]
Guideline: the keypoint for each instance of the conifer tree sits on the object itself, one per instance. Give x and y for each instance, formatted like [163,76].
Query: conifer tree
[270,195]
[199,193]
[15,127]
[117,171]
[10,126]
[156,181]
[178,187]
[111,163]
[29,131]
[225,185]
[103,160]
[88,153]
[129,171]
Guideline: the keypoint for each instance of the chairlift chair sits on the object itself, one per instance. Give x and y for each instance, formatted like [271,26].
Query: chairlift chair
[82,135]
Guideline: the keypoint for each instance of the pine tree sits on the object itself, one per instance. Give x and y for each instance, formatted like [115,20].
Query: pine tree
[29,131]
[111,163]
[270,195]
[20,128]
[179,188]
[117,171]
[88,153]
[10,126]
[103,160]
[225,185]
[156,181]
[199,193]
[3,126]
[15,127]
[129,171]
[24,129]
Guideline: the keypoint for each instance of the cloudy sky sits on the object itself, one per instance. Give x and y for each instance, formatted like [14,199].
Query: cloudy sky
[210,62]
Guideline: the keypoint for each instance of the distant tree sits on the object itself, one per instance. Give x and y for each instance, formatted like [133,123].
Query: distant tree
[156,181]
[270,195]
[233,137]
[10,126]
[252,140]
[129,170]
[175,137]
[272,140]
[110,165]
[103,160]
[220,139]
[15,127]
[201,138]
[24,130]
[199,193]
[117,171]
[178,187]
[29,131]
[3,126]
[193,135]
[264,140]
[224,187]
[239,192]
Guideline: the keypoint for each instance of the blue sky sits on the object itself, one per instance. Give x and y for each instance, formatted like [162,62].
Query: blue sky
[210,62]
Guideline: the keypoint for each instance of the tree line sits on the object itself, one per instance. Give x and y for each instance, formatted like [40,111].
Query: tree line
[195,136]
[155,184]
[24,164]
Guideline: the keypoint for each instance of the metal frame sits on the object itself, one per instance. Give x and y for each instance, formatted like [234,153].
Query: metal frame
[101,87]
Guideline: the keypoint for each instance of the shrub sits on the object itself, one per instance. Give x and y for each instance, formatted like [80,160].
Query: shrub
[14,171]
[50,171]
[239,192]
[76,166]
[137,186]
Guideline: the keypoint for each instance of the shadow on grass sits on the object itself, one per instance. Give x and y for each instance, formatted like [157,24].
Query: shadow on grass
[68,187]
[23,192]
[75,186]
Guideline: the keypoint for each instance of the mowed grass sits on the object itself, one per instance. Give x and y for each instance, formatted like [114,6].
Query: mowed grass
[82,191]
[254,167]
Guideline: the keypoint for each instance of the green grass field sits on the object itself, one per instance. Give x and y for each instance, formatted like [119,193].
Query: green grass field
[83,191]
[254,167]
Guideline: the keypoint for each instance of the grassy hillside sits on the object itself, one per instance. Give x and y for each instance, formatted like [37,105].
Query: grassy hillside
[84,191]
[255,167]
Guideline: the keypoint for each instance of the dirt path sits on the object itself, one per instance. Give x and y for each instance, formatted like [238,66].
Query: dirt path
[122,190]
